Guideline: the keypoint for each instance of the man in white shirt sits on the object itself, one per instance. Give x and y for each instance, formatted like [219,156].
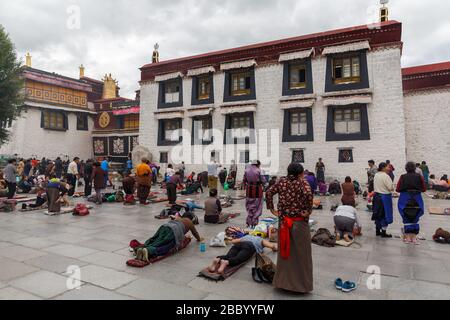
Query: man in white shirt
[213,167]
[73,175]
[382,201]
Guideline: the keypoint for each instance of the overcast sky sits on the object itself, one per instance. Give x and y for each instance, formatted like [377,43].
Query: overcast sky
[117,36]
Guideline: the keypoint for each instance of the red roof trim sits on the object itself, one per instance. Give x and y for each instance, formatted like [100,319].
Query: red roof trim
[56,80]
[387,32]
[436,67]
[429,76]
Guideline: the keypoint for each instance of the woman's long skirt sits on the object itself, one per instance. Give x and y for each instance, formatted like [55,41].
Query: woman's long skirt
[296,273]
[52,197]
[143,193]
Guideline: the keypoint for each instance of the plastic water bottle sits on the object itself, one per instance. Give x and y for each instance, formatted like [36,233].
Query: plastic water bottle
[202,247]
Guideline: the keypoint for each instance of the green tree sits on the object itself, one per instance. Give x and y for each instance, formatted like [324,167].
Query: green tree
[11,84]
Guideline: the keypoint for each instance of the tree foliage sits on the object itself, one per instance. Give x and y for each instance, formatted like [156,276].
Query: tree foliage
[11,84]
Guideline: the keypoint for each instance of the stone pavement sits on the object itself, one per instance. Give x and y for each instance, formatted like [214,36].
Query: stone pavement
[36,250]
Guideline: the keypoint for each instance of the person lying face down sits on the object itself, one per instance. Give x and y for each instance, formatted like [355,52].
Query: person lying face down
[242,250]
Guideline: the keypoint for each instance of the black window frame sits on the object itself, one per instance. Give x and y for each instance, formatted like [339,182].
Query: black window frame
[330,86]
[195,101]
[85,125]
[308,89]
[228,97]
[303,155]
[161,157]
[340,155]
[246,157]
[201,142]
[161,134]
[65,120]
[228,122]
[364,133]
[287,137]
[161,94]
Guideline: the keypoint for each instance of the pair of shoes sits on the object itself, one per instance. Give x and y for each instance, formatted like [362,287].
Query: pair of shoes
[378,232]
[346,286]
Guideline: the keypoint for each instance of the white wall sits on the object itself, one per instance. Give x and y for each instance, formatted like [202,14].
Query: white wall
[29,139]
[427,115]
[386,117]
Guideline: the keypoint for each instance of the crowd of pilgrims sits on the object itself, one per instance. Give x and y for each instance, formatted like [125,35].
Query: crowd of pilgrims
[295,193]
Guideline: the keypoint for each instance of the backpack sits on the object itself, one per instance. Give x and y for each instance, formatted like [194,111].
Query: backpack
[81,210]
[323,237]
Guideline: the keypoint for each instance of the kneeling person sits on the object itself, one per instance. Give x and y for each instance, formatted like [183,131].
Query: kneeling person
[213,209]
[345,219]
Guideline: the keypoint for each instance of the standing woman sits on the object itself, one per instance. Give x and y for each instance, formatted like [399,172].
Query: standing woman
[295,200]
[144,181]
[382,201]
[410,204]
[320,171]
[98,179]
[348,193]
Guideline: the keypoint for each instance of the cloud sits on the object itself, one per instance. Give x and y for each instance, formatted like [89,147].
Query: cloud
[117,36]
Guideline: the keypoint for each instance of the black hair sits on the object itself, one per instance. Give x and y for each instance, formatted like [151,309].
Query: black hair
[424,162]
[381,166]
[12,160]
[76,158]
[348,179]
[410,167]
[170,166]
[432,176]
[213,193]
[295,169]
[371,161]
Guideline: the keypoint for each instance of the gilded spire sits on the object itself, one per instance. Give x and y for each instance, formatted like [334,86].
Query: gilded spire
[82,71]
[28,60]
[384,11]
[155,57]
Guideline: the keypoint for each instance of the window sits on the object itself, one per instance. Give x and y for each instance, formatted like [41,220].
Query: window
[202,130]
[345,155]
[347,72]
[53,120]
[244,157]
[347,120]
[131,122]
[82,122]
[345,123]
[170,93]
[163,157]
[298,156]
[298,125]
[297,76]
[169,132]
[240,85]
[239,128]
[204,88]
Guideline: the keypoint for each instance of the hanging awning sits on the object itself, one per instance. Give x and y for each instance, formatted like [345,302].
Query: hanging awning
[197,112]
[238,108]
[355,46]
[347,100]
[168,76]
[169,115]
[296,55]
[125,111]
[238,64]
[306,103]
[199,71]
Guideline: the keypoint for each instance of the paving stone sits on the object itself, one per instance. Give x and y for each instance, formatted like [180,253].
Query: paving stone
[148,289]
[70,250]
[10,293]
[55,263]
[108,259]
[90,292]
[10,269]
[20,253]
[36,242]
[105,277]
[42,283]
[104,245]
[68,238]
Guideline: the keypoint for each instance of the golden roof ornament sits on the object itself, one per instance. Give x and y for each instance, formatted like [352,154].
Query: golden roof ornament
[28,60]
[155,56]
[82,71]
[109,87]
[384,11]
